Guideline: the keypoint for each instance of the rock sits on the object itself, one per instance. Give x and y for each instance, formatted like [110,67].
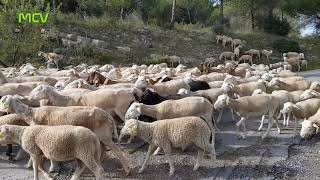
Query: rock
[83,40]
[97,42]
[187,39]
[124,49]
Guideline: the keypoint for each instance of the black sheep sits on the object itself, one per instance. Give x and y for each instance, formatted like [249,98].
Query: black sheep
[198,85]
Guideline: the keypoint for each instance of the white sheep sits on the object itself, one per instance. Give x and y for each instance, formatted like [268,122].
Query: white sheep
[253,52]
[50,141]
[311,126]
[266,53]
[225,55]
[168,133]
[246,58]
[99,121]
[237,51]
[291,85]
[52,58]
[304,63]
[259,105]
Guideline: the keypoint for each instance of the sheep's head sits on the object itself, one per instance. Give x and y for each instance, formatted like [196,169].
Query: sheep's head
[308,94]
[288,107]
[141,82]
[258,91]
[315,85]
[183,91]
[40,92]
[274,82]
[6,103]
[227,88]
[130,128]
[308,129]
[134,111]
[222,101]
[301,55]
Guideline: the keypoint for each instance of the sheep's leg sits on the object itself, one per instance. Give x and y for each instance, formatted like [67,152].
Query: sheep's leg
[54,166]
[44,172]
[35,163]
[9,150]
[19,155]
[156,152]
[29,164]
[262,122]
[288,118]
[94,167]
[130,139]
[80,168]
[220,116]
[167,152]
[295,127]
[116,149]
[284,118]
[199,159]
[277,124]
[150,150]
[269,126]
[232,114]
[240,135]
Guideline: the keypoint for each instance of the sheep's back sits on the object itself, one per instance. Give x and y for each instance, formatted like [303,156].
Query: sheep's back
[181,132]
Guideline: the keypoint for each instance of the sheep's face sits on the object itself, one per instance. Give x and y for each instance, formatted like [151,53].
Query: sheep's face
[183,91]
[308,94]
[60,84]
[130,128]
[308,129]
[274,82]
[287,107]
[134,111]
[315,86]
[6,103]
[221,102]
[227,88]
[39,93]
[141,82]
[5,135]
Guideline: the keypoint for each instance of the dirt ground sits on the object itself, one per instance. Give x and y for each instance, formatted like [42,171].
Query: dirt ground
[280,156]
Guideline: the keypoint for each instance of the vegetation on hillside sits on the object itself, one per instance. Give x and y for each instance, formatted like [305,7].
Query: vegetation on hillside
[184,28]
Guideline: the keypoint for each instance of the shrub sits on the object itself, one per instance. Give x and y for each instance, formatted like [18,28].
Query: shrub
[275,25]
[284,45]
[92,7]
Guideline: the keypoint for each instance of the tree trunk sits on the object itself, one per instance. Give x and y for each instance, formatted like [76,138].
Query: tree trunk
[252,14]
[121,14]
[189,15]
[221,12]
[173,11]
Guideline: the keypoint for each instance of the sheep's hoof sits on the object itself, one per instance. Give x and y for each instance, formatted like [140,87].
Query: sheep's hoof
[260,128]
[196,167]
[279,131]
[171,173]
[128,172]
[140,170]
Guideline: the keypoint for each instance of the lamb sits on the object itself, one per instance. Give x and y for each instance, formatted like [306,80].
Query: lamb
[110,100]
[97,120]
[246,89]
[163,89]
[236,43]
[168,133]
[237,51]
[308,94]
[293,54]
[219,38]
[266,53]
[246,58]
[189,106]
[52,58]
[22,89]
[310,126]
[226,40]
[51,141]
[304,63]
[301,110]
[225,55]
[251,106]
[12,119]
[253,52]
[293,85]
[293,61]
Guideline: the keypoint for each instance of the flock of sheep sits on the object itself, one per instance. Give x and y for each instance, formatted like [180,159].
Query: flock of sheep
[74,114]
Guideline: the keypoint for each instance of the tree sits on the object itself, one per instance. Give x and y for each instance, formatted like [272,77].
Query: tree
[20,41]
[173,11]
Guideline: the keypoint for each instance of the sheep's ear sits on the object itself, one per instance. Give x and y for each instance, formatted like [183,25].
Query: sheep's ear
[317,128]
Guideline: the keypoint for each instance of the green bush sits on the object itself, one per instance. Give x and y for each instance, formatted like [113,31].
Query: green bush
[92,7]
[218,29]
[284,45]
[275,25]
